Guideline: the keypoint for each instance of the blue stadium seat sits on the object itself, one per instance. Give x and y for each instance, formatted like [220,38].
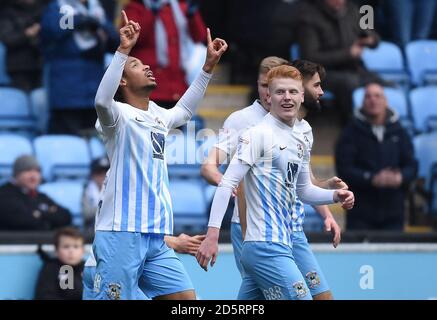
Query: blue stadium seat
[67,194]
[4,78]
[189,204]
[209,192]
[387,60]
[63,156]
[424,108]
[180,153]
[107,59]
[425,147]
[39,106]
[313,221]
[422,61]
[11,147]
[97,148]
[15,111]
[204,144]
[197,123]
[433,190]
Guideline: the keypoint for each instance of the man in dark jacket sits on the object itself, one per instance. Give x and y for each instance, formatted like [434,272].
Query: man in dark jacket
[19,32]
[22,207]
[375,157]
[329,33]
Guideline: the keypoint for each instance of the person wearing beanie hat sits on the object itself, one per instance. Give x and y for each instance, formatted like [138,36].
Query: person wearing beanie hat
[92,191]
[23,207]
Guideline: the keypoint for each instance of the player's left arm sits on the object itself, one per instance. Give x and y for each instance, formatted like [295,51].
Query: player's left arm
[331,183]
[187,105]
[208,250]
[314,195]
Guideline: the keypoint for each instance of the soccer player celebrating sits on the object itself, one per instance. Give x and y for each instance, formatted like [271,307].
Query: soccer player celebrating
[276,161]
[234,125]
[135,213]
[226,146]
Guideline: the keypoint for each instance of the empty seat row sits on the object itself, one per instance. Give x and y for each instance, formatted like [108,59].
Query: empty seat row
[60,156]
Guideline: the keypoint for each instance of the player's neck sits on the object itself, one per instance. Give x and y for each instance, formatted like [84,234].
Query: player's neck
[289,123]
[139,101]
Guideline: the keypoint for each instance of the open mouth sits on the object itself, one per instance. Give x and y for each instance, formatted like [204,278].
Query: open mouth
[287,106]
[149,75]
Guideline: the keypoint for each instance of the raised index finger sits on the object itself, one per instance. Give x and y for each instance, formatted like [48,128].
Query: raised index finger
[208,36]
[124,18]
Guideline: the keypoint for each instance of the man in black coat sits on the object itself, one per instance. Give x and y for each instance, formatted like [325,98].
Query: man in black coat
[22,207]
[329,33]
[375,157]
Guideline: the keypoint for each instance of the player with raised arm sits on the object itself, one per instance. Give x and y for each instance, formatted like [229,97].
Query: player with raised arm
[136,212]
[276,161]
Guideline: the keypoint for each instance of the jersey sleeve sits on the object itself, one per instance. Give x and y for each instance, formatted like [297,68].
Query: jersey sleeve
[187,105]
[255,145]
[106,108]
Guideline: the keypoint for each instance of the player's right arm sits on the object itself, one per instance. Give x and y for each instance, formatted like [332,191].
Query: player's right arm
[209,248]
[249,150]
[111,79]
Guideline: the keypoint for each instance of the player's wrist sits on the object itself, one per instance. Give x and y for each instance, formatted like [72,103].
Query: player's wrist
[208,66]
[213,233]
[124,50]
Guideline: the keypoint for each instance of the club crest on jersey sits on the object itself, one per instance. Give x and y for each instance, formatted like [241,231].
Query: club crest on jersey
[291,173]
[158,143]
[301,290]
[114,291]
[299,151]
[312,279]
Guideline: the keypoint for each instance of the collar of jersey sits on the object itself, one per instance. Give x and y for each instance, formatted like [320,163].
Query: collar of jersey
[270,118]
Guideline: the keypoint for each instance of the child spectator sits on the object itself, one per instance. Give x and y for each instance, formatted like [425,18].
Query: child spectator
[69,246]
